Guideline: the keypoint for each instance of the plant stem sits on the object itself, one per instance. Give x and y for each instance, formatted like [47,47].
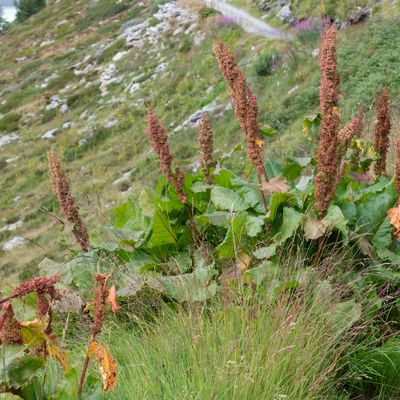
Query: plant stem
[262,193]
[192,225]
[85,367]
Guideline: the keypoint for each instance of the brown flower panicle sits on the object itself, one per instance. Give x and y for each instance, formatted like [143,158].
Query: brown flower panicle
[206,146]
[10,329]
[168,165]
[101,295]
[382,130]
[62,189]
[328,157]
[244,102]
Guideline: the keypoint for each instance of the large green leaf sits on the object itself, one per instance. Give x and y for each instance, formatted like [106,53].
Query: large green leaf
[291,221]
[294,167]
[163,232]
[235,235]
[383,236]
[195,286]
[336,220]
[16,367]
[227,199]
[254,225]
[372,210]
[277,201]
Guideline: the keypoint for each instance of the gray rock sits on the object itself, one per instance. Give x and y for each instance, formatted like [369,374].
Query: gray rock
[13,243]
[7,139]
[285,14]
[50,134]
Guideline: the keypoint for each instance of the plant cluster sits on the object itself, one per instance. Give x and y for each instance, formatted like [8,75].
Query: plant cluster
[211,232]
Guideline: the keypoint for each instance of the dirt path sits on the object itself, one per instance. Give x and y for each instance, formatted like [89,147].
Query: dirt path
[249,23]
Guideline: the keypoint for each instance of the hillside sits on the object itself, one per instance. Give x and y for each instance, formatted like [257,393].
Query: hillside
[200,201]
[78,76]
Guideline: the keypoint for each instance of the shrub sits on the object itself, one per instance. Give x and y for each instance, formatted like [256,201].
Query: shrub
[266,63]
[206,12]
[26,8]
[9,122]
[100,11]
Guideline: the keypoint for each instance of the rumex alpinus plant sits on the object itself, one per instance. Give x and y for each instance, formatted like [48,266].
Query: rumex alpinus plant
[103,294]
[394,213]
[206,146]
[246,110]
[332,143]
[168,165]
[382,130]
[62,189]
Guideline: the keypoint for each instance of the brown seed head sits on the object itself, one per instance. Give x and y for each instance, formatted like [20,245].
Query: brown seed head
[168,165]
[100,299]
[62,189]
[9,327]
[244,102]
[206,145]
[382,130]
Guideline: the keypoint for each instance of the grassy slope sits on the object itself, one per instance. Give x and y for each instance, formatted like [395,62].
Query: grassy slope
[190,81]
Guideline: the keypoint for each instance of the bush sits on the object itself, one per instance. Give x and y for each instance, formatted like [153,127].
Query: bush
[266,63]
[206,12]
[26,8]
[9,122]
[100,11]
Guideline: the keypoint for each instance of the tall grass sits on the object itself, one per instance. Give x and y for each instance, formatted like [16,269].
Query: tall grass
[264,345]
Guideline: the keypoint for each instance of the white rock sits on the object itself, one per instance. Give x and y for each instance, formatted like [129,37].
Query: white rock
[292,90]
[12,227]
[13,243]
[315,53]
[20,60]
[68,125]
[16,199]
[7,139]
[160,68]
[12,159]
[50,134]
[111,124]
[55,103]
[284,13]
[120,55]
[64,108]
[47,42]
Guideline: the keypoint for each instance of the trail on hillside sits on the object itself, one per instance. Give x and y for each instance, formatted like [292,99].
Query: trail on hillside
[249,23]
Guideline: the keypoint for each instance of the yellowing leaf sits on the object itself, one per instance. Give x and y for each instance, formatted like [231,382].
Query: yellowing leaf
[336,110]
[33,335]
[112,299]
[59,355]
[107,365]
[275,185]
[32,332]
[260,143]
[243,261]
[394,217]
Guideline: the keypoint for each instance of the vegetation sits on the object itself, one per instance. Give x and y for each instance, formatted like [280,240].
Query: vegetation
[280,284]
[27,8]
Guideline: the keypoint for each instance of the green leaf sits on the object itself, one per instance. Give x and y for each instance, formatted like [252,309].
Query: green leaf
[273,168]
[16,367]
[190,287]
[265,252]
[257,274]
[234,237]
[267,131]
[277,200]
[254,225]
[146,203]
[218,218]
[291,221]
[336,220]
[313,227]
[372,210]
[294,167]
[383,236]
[226,199]
[200,187]
[68,387]
[163,232]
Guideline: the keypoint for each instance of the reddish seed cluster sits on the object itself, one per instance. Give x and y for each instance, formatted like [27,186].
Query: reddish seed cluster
[206,145]
[397,147]
[245,104]
[9,327]
[351,129]
[382,130]
[168,165]
[100,299]
[62,189]
[328,151]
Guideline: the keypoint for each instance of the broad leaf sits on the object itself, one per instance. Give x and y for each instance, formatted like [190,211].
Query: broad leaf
[265,252]
[163,232]
[291,221]
[226,199]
